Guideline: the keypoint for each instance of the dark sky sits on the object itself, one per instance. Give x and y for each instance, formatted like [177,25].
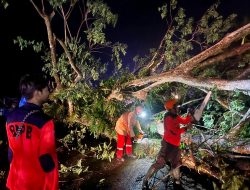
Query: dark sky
[139,25]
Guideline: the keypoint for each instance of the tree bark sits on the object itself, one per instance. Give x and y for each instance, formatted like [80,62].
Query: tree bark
[52,43]
[231,53]
[216,49]
[220,84]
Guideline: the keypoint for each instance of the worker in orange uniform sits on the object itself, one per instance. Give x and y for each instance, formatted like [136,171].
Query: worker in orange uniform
[124,129]
[170,143]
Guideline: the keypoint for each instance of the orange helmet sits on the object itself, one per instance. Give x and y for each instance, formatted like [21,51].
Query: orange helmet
[170,104]
[138,110]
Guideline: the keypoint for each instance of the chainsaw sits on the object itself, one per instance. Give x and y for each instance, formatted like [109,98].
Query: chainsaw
[197,113]
[140,137]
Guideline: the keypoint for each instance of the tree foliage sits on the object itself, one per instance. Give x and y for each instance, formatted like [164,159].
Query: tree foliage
[214,67]
[192,53]
[82,56]
[79,57]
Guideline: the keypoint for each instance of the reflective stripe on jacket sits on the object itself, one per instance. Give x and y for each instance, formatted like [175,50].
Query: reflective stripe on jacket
[125,123]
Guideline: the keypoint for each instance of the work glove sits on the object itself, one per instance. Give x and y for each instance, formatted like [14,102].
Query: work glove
[141,132]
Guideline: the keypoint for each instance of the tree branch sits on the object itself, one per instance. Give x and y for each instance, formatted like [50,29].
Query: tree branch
[37,9]
[234,52]
[51,39]
[180,73]
[71,62]
[241,85]
[216,49]
[235,130]
[244,74]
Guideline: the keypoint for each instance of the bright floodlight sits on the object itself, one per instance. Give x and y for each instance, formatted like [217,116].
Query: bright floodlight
[142,114]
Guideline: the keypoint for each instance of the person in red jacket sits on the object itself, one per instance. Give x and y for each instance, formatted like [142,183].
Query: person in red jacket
[31,139]
[170,143]
[124,130]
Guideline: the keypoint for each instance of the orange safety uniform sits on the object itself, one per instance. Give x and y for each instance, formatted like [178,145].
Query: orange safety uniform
[124,129]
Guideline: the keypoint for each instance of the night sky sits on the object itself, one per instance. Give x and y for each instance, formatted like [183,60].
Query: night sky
[139,26]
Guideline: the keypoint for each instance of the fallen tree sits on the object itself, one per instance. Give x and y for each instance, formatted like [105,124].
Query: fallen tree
[225,56]
[182,73]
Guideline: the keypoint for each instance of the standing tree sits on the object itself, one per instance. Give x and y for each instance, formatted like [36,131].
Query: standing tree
[77,57]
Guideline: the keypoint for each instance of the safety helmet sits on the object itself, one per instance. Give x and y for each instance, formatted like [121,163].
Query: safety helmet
[138,110]
[170,104]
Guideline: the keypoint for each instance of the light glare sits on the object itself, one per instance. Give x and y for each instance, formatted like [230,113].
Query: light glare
[142,114]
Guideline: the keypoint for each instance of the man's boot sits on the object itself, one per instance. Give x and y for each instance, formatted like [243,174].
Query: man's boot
[149,174]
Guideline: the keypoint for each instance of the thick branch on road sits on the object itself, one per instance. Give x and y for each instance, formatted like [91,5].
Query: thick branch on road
[189,161]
